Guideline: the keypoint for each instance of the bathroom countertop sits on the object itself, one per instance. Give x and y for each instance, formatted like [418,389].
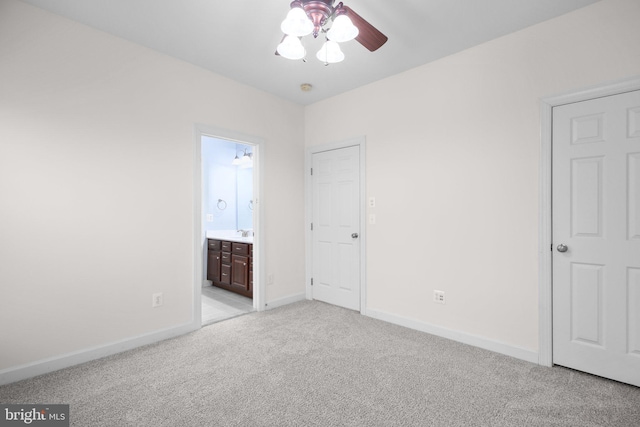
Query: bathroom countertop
[228,237]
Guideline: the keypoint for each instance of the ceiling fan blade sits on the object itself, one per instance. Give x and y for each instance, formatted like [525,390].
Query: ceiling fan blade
[369,36]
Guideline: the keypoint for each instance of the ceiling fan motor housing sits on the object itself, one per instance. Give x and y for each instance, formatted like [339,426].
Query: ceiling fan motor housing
[318,11]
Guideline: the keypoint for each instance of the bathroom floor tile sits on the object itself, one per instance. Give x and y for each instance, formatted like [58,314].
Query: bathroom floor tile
[219,305]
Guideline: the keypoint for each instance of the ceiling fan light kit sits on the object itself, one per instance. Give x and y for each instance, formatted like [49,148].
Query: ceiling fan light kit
[297,22]
[330,53]
[342,29]
[291,48]
[310,17]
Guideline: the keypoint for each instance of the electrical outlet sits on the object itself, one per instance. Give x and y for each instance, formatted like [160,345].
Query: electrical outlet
[270,279]
[156,299]
[209,217]
[372,202]
[438,297]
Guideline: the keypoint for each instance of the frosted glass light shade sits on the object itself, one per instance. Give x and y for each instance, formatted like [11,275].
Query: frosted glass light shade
[342,30]
[247,158]
[297,23]
[330,53]
[291,48]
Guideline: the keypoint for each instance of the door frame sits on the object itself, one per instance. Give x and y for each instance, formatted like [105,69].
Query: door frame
[360,142]
[199,234]
[545,219]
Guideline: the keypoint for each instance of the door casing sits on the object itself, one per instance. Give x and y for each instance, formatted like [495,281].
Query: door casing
[259,302]
[545,265]
[360,142]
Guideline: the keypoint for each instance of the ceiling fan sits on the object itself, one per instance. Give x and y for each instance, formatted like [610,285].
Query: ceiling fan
[312,16]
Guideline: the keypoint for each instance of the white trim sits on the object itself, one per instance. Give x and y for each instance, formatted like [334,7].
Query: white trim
[462,337]
[363,227]
[259,300]
[199,243]
[52,364]
[361,143]
[544,241]
[545,266]
[285,301]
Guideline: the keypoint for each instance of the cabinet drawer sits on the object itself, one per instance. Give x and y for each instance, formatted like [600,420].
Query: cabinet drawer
[240,248]
[214,245]
[225,276]
[226,246]
[226,258]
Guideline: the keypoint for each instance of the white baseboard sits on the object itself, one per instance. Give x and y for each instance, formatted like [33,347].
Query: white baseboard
[40,367]
[463,337]
[52,364]
[286,300]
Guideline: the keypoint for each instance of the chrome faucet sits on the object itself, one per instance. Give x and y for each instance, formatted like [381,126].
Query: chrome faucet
[245,233]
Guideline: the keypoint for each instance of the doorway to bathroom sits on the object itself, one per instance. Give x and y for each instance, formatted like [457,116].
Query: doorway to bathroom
[228,225]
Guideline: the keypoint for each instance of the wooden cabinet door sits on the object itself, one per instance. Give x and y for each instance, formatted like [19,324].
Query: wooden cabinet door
[240,271]
[213,265]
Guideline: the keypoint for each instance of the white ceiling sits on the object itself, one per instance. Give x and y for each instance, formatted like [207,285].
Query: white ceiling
[237,38]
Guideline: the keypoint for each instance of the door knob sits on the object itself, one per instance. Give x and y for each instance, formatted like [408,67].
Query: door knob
[562,248]
[354,235]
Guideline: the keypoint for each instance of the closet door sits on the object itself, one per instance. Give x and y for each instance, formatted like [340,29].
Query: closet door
[596,236]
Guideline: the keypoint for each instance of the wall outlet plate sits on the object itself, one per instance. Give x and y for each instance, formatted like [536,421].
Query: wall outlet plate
[438,297]
[157,299]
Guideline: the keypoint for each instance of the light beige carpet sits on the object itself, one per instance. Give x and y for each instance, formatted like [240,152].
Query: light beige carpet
[312,364]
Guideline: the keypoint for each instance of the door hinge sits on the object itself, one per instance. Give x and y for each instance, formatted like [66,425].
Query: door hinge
[551,248]
[311,171]
[312,281]
[311,226]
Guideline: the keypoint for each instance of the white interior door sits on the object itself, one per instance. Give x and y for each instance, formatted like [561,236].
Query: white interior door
[596,219]
[336,227]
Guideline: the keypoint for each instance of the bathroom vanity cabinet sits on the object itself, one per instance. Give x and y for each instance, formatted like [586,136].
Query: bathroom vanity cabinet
[230,265]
